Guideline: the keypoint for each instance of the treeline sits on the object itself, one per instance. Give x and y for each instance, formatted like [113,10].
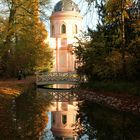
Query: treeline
[112,51]
[22,37]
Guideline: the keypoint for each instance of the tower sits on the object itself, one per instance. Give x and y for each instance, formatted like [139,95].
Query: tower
[65,24]
[64,116]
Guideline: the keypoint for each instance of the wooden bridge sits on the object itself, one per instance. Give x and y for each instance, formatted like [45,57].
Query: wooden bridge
[56,78]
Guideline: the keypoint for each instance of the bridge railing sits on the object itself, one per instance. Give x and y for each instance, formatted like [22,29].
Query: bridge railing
[56,77]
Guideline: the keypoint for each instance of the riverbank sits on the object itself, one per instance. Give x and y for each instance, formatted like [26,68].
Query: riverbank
[123,96]
[9,89]
[14,87]
[117,87]
[103,93]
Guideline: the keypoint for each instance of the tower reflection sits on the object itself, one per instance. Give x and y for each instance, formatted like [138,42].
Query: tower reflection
[62,113]
[63,116]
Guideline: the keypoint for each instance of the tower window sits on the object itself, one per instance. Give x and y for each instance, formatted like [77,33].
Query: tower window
[63,29]
[53,118]
[64,119]
[75,30]
[52,29]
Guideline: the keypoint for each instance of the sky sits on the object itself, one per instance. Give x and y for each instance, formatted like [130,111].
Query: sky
[90,18]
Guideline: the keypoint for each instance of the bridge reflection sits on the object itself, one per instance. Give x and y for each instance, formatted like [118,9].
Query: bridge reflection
[60,95]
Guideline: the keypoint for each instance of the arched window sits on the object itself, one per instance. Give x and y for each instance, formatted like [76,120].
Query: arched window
[64,119]
[53,118]
[75,30]
[63,29]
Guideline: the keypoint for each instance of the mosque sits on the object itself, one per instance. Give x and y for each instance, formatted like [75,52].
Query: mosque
[65,25]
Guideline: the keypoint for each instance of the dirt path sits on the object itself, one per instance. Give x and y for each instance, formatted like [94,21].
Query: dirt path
[14,86]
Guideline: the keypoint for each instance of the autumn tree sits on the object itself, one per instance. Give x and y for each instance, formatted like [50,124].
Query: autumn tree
[24,39]
[121,15]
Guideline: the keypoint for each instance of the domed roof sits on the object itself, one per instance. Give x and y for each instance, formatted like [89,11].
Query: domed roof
[66,5]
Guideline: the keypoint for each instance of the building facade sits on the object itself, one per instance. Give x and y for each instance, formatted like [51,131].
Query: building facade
[65,25]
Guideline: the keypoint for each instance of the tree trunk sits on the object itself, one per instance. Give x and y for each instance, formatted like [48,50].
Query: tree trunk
[123,44]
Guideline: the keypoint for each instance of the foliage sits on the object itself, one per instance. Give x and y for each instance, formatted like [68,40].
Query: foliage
[112,52]
[23,38]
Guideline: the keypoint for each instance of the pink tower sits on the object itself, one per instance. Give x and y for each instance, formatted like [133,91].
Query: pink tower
[66,24]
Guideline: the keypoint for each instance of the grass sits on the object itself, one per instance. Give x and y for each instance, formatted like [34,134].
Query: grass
[132,88]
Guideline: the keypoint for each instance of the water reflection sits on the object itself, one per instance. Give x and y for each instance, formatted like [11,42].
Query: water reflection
[58,114]
[102,123]
[31,115]
[27,116]
[63,114]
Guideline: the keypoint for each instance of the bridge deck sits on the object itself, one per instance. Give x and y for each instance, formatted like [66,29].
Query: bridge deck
[55,82]
[57,78]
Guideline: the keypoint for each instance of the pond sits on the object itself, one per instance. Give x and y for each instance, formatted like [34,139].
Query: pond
[60,114]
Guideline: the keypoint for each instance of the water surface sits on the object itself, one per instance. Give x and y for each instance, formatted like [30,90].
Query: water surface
[56,114]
